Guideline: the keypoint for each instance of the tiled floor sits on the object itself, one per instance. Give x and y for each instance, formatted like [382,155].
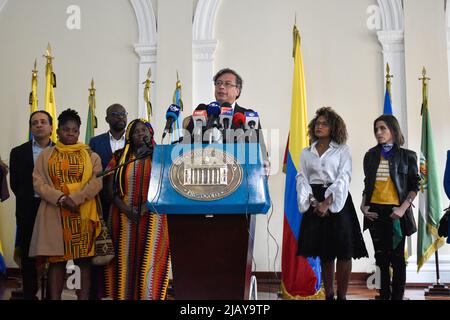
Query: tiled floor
[266,291]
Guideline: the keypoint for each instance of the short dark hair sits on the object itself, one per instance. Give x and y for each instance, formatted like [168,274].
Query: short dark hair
[239,81]
[68,115]
[394,127]
[114,105]
[50,119]
[338,129]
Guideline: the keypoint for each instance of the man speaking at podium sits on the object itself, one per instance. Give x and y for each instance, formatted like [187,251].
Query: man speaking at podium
[228,87]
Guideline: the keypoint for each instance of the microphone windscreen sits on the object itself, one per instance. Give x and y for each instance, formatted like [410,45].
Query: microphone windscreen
[202,106]
[173,111]
[226,105]
[213,109]
[238,119]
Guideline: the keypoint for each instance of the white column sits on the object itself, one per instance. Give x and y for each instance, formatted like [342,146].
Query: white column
[392,40]
[393,43]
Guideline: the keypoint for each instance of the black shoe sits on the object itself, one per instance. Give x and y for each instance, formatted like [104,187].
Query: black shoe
[330,297]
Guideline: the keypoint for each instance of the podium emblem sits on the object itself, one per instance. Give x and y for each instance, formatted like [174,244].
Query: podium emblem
[205,174]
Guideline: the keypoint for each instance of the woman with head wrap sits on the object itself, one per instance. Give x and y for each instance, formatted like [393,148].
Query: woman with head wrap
[140,270]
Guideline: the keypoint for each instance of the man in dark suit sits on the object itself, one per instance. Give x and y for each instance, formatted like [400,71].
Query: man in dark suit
[21,162]
[228,87]
[105,145]
[4,192]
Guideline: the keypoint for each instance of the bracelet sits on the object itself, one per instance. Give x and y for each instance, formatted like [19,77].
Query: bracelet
[61,199]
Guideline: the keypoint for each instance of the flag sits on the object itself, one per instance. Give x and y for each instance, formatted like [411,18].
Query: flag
[50,84]
[300,275]
[147,94]
[91,123]
[177,99]
[430,206]
[387,103]
[2,262]
[387,96]
[388,110]
[32,100]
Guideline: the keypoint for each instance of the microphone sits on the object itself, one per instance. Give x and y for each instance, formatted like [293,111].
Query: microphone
[171,115]
[226,115]
[199,117]
[238,120]
[238,124]
[251,120]
[213,111]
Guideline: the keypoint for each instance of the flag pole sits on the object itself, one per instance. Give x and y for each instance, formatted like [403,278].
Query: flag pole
[436,289]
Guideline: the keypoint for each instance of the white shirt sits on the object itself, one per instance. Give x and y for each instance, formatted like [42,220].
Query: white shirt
[116,144]
[333,168]
[37,149]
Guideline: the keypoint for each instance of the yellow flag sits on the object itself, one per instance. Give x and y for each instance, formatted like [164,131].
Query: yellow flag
[50,84]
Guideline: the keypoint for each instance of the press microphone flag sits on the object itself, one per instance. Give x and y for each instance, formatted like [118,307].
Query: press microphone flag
[226,116]
[251,120]
[213,113]
[238,120]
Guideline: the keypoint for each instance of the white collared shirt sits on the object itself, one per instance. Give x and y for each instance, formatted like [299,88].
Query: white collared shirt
[333,168]
[116,144]
[37,149]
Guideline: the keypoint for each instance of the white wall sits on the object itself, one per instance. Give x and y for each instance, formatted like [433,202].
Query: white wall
[102,48]
[342,60]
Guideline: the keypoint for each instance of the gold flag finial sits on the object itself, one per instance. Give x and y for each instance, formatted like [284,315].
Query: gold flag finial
[424,80]
[147,94]
[149,73]
[35,65]
[92,88]
[389,76]
[48,53]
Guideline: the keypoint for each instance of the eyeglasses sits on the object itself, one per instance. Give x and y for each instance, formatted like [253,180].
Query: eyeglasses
[322,124]
[119,114]
[227,84]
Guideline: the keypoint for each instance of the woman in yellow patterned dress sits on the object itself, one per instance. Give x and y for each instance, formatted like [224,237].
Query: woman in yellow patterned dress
[67,222]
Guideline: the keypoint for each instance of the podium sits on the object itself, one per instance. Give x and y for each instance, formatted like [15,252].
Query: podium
[211,194]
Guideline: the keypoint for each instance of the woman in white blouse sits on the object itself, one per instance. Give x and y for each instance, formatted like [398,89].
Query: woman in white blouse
[329,226]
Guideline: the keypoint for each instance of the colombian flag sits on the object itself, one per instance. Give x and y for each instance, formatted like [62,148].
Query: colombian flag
[300,275]
[2,262]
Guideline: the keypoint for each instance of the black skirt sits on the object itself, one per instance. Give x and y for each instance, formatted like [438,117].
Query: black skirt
[337,235]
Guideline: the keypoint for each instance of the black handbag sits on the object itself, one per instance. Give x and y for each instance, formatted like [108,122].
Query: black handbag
[408,223]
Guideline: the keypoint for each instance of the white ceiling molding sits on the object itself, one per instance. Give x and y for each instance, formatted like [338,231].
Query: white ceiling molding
[204,46]
[392,16]
[146,48]
[204,19]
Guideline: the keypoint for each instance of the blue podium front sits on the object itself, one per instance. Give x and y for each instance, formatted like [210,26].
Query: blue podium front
[208,179]
[211,195]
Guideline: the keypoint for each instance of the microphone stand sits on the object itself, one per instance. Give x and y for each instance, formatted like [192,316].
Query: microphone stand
[137,222]
[111,171]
